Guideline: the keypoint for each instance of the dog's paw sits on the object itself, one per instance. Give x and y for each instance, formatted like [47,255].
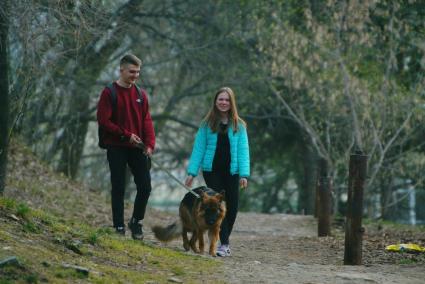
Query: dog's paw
[196,250]
[186,247]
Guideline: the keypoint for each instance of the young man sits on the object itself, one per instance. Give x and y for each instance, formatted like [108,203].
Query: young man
[126,123]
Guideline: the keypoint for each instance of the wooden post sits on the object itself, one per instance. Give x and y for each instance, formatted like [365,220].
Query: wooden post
[316,198]
[324,200]
[353,228]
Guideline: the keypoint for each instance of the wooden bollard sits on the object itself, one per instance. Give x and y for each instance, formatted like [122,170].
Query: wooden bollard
[324,200]
[353,227]
[316,198]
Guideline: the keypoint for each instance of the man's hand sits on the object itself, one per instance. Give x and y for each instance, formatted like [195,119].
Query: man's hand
[243,183]
[135,140]
[148,152]
[189,181]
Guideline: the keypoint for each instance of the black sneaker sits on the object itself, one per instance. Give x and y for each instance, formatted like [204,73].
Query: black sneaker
[120,230]
[136,229]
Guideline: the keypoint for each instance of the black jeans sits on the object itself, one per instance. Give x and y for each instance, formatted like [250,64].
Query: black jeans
[119,158]
[228,183]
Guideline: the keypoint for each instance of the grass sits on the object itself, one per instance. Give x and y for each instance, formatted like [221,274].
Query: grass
[407,261]
[49,222]
[22,210]
[390,225]
[44,244]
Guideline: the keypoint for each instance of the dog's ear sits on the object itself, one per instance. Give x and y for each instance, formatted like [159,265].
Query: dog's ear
[203,195]
[221,195]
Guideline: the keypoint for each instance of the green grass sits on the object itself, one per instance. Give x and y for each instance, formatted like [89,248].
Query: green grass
[22,210]
[43,243]
[407,261]
[30,227]
[392,225]
[7,203]
[62,232]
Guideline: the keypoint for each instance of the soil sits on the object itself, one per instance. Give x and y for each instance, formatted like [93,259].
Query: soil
[283,248]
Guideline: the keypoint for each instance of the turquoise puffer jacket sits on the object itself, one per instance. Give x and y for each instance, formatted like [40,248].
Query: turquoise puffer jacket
[204,150]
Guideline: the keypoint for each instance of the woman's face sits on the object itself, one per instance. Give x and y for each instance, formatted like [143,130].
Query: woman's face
[223,102]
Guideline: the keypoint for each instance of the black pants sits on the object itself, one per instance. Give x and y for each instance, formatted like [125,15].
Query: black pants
[230,184]
[119,158]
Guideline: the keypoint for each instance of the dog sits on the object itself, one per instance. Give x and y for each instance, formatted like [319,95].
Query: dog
[197,215]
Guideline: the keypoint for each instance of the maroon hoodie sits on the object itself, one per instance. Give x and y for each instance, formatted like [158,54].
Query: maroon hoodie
[129,117]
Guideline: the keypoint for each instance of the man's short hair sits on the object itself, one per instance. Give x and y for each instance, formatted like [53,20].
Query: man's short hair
[130,59]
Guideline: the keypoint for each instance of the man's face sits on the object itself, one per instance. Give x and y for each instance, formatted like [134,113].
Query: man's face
[129,73]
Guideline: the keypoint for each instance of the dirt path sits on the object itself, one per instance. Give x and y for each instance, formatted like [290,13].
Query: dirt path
[284,249]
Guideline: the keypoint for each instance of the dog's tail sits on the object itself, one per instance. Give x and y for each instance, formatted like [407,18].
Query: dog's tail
[168,233]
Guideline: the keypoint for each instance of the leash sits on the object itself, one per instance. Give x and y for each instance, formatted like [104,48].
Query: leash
[142,146]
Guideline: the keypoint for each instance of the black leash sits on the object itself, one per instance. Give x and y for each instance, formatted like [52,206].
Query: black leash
[142,146]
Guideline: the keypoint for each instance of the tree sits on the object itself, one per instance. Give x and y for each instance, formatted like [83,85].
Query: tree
[4,92]
[346,88]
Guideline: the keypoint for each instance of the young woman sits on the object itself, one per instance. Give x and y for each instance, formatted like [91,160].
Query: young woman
[221,149]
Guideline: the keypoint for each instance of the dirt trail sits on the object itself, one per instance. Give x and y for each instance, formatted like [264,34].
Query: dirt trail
[283,248]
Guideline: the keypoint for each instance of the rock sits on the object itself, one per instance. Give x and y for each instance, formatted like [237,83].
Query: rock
[174,280]
[355,278]
[293,264]
[12,260]
[14,217]
[79,269]
[74,245]
[45,263]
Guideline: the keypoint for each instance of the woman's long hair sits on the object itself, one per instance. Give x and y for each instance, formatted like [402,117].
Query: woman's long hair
[212,119]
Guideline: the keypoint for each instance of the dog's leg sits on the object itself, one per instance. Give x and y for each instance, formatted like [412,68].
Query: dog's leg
[213,235]
[193,240]
[185,239]
[201,241]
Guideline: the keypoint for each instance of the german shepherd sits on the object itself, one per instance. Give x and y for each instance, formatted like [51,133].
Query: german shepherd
[197,215]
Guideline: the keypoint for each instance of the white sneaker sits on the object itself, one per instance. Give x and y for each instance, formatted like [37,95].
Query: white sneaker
[223,250]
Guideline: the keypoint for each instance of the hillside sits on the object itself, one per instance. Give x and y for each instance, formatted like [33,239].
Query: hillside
[57,231]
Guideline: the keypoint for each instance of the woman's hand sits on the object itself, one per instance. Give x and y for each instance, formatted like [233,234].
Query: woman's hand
[189,181]
[243,183]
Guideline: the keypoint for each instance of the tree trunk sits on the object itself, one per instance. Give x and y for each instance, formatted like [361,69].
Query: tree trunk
[4,93]
[386,194]
[306,201]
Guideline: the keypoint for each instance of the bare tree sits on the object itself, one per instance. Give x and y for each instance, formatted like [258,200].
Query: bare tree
[342,108]
[4,92]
